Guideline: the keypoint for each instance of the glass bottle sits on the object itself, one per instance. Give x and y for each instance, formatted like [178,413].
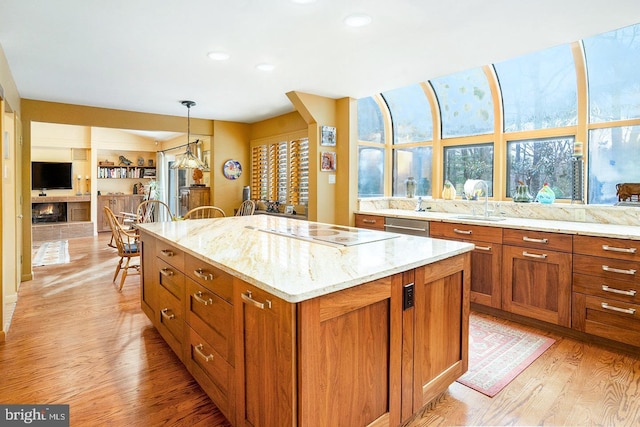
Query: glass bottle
[410,187]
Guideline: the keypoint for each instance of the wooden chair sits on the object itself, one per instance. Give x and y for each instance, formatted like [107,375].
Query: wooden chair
[127,244]
[246,208]
[153,211]
[204,212]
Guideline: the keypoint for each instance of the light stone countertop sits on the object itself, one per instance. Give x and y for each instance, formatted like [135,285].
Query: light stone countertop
[568,227]
[296,269]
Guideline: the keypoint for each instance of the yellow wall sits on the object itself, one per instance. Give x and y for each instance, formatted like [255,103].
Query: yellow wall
[231,142]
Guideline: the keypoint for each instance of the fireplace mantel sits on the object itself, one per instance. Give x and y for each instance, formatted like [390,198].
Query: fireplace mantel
[55,199]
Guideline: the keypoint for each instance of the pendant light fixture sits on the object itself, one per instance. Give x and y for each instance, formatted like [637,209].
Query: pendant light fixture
[188,160]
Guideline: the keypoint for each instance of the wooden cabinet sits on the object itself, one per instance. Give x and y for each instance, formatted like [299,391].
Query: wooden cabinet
[606,287]
[358,355]
[117,203]
[210,355]
[486,258]
[537,275]
[367,355]
[190,303]
[265,358]
[192,197]
[373,222]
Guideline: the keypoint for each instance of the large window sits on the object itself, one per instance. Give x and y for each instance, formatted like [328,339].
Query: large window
[539,90]
[614,156]
[410,113]
[370,123]
[370,172]
[469,162]
[540,161]
[416,162]
[613,64]
[466,107]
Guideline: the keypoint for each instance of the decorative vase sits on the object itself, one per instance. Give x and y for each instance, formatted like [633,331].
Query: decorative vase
[546,195]
[410,187]
[449,191]
[522,194]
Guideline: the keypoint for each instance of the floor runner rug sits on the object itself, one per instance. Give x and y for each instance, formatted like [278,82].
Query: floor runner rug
[50,253]
[499,353]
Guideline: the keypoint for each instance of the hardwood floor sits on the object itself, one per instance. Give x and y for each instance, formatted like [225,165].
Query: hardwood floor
[75,340]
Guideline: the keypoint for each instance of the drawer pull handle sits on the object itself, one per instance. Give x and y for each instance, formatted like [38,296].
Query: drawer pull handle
[530,255]
[167,252]
[531,239]
[630,272]
[483,248]
[402,227]
[201,274]
[164,313]
[467,232]
[198,297]
[166,272]
[369,221]
[630,292]
[199,352]
[614,249]
[618,309]
[248,298]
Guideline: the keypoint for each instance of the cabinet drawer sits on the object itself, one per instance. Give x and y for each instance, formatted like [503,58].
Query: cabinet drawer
[212,278]
[615,269]
[170,254]
[211,371]
[370,221]
[607,318]
[607,247]
[538,239]
[170,319]
[171,279]
[628,292]
[211,317]
[466,232]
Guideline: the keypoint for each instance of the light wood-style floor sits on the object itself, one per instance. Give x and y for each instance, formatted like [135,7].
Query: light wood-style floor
[75,340]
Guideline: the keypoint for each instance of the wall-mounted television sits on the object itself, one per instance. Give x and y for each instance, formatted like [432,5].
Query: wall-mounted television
[51,175]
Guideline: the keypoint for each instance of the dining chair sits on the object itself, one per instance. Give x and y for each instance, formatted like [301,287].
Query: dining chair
[153,211]
[246,208]
[204,212]
[127,244]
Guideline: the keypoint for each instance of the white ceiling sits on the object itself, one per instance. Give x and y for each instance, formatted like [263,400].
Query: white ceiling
[145,55]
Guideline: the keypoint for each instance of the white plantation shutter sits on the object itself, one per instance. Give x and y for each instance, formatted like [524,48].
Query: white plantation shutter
[280,172]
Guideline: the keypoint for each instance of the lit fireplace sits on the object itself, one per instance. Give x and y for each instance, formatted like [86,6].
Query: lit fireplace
[49,212]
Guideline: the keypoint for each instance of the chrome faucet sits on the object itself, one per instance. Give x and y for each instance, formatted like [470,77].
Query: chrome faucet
[484,184]
[419,207]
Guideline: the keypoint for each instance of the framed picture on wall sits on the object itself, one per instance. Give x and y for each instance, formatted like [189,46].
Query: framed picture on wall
[206,159]
[328,161]
[328,136]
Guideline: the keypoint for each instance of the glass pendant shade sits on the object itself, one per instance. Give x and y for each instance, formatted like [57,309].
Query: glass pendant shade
[188,160]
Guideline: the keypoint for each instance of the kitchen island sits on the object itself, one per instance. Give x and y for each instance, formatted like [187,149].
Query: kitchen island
[288,322]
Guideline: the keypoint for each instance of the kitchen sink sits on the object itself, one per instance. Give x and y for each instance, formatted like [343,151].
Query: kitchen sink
[480,218]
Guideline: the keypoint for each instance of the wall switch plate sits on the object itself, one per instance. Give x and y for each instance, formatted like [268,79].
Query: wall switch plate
[579,215]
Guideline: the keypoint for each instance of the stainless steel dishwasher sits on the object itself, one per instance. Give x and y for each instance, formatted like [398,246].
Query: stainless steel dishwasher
[415,227]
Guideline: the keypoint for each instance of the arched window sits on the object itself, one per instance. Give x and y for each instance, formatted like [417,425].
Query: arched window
[410,114]
[370,123]
[539,91]
[412,123]
[613,70]
[465,103]
[371,152]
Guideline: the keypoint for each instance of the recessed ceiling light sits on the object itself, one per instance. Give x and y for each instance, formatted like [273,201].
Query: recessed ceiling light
[218,55]
[265,67]
[357,20]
